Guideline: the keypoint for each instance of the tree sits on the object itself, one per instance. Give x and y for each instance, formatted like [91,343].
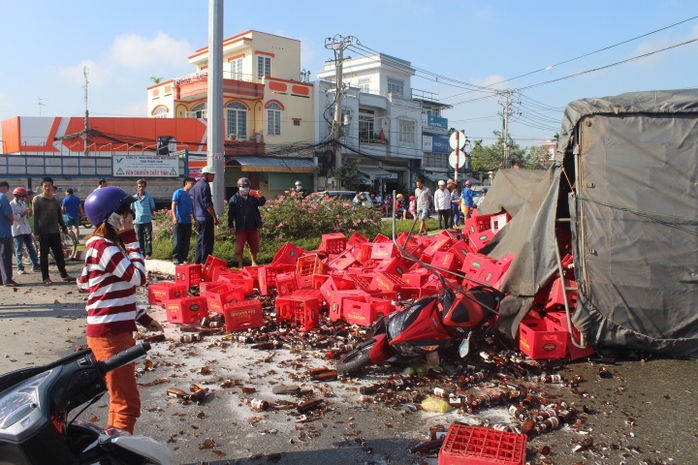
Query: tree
[349,175]
[156,79]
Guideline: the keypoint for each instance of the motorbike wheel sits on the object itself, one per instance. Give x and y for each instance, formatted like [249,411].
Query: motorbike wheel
[357,358]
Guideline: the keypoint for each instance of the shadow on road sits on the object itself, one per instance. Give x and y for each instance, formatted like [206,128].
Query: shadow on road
[39,310]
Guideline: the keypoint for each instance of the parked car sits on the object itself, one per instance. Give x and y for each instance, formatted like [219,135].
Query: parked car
[346,195]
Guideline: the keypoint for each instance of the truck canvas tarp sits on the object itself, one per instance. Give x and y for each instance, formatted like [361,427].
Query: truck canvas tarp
[625,187]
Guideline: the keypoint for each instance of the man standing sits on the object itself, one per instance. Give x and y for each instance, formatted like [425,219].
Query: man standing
[442,205]
[6,220]
[102,183]
[468,200]
[21,231]
[72,212]
[47,220]
[455,202]
[423,205]
[182,209]
[204,214]
[144,207]
[244,219]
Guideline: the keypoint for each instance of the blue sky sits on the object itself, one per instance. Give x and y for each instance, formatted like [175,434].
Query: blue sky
[47,43]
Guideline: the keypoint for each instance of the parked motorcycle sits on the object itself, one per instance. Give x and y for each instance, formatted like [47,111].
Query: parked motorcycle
[425,326]
[34,407]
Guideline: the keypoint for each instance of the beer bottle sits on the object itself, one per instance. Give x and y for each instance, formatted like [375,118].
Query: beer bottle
[309,405]
[427,446]
[548,424]
[178,393]
[550,378]
[256,404]
[372,389]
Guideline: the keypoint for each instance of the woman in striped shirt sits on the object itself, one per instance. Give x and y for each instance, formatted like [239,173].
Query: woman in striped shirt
[114,267]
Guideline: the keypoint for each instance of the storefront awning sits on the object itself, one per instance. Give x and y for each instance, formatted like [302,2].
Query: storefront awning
[275,165]
[377,173]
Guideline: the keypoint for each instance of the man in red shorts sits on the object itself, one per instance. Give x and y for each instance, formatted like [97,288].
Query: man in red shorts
[244,219]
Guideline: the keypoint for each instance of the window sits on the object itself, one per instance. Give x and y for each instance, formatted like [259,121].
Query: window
[236,120]
[436,160]
[273,119]
[236,69]
[160,113]
[366,122]
[199,111]
[396,86]
[365,84]
[263,66]
[407,130]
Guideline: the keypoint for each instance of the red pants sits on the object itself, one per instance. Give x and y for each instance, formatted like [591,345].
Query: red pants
[124,399]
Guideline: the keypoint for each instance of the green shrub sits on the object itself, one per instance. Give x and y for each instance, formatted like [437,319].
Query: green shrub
[293,218]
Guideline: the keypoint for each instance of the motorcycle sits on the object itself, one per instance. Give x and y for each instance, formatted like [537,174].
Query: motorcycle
[34,407]
[427,325]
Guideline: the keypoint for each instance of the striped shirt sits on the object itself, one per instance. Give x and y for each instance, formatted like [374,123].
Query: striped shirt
[111,279]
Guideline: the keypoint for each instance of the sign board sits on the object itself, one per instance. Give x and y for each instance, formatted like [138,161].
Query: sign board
[440,145]
[457,140]
[456,160]
[145,166]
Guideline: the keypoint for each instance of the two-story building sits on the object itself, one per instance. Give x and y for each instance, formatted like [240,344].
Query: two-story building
[268,109]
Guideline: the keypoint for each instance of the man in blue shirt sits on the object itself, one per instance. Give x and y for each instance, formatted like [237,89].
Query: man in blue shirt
[182,210]
[468,201]
[144,207]
[6,246]
[204,214]
[71,208]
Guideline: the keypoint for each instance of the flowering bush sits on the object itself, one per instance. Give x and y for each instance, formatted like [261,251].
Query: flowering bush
[292,218]
[295,217]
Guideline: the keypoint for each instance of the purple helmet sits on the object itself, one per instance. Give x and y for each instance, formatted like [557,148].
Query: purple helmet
[103,202]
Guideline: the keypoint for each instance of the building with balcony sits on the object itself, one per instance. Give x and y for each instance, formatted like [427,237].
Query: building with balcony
[268,108]
[384,121]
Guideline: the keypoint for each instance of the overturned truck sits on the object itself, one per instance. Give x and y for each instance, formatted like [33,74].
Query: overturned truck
[622,196]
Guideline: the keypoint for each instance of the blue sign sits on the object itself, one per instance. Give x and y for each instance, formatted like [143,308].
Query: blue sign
[437,122]
[441,145]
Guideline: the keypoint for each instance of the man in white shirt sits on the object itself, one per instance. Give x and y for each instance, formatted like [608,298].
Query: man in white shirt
[442,205]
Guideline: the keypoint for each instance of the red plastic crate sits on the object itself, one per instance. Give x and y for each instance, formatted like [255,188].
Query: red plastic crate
[392,265]
[383,250]
[253,272]
[540,339]
[445,260]
[211,264]
[365,311]
[479,269]
[356,239]
[342,261]
[556,298]
[266,276]
[286,283]
[363,252]
[300,307]
[160,293]
[440,242]
[559,320]
[334,243]
[475,445]
[477,224]
[288,254]
[387,282]
[237,278]
[416,277]
[216,302]
[308,265]
[336,298]
[186,310]
[189,275]
[479,240]
[243,315]
[381,238]
[497,222]
[460,249]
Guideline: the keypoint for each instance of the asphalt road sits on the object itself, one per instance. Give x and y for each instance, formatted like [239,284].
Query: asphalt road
[646,413]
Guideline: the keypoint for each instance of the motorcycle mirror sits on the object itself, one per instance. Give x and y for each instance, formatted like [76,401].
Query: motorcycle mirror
[464,347]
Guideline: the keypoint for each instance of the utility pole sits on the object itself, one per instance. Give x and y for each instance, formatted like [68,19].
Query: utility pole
[338,43]
[216,156]
[85,134]
[505,133]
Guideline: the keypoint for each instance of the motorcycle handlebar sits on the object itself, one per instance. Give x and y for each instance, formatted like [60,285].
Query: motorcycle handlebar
[124,358]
